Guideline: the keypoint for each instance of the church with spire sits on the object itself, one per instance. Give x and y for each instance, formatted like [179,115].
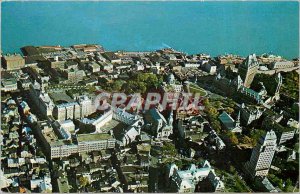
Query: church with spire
[228,123]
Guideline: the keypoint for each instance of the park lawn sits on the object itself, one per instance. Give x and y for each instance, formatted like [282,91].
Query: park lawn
[196,89]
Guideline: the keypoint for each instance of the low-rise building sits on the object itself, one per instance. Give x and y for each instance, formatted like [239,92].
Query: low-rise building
[210,67]
[13,62]
[58,148]
[229,123]
[9,84]
[55,62]
[172,85]
[192,128]
[108,67]
[157,125]
[112,57]
[93,67]
[293,124]
[125,127]
[192,65]
[250,113]
[281,65]
[274,121]
[185,181]
[264,185]
[43,184]
[215,143]
[94,142]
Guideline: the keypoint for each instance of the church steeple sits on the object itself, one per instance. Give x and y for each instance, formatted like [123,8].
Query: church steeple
[279,82]
[238,119]
[170,118]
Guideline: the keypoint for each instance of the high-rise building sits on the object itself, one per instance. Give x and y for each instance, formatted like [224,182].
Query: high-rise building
[262,155]
[86,106]
[248,69]
[70,110]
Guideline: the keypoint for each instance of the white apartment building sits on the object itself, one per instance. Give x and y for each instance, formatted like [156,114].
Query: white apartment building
[42,99]
[93,142]
[86,106]
[262,155]
[70,110]
[286,135]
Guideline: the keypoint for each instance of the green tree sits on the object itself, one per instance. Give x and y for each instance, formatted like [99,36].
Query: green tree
[217,104]
[229,110]
[288,186]
[169,149]
[205,102]
[247,140]
[290,84]
[151,80]
[117,85]
[216,125]
[232,138]
[83,181]
[91,89]
[269,82]
[212,112]
[276,181]
[255,135]
[140,82]
[232,169]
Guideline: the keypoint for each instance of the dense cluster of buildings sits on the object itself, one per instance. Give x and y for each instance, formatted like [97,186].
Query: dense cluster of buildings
[23,167]
[54,139]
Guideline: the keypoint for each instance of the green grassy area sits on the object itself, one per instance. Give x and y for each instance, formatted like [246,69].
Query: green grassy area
[196,89]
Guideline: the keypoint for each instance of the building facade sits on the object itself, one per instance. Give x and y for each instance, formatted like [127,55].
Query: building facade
[13,62]
[248,69]
[58,148]
[250,113]
[262,155]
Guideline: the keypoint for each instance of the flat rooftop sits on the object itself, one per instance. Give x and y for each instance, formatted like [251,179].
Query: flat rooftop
[113,124]
[13,57]
[50,136]
[60,97]
[93,137]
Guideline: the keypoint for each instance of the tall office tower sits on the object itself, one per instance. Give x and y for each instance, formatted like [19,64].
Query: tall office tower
[262,155]
[248,69]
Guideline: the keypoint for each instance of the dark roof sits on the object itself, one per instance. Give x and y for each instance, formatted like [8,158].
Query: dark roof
[110,56]
[34,59]
[30,50]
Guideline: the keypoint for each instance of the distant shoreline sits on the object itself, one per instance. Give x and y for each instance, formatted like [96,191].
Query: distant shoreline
[215,28]
[124,50]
